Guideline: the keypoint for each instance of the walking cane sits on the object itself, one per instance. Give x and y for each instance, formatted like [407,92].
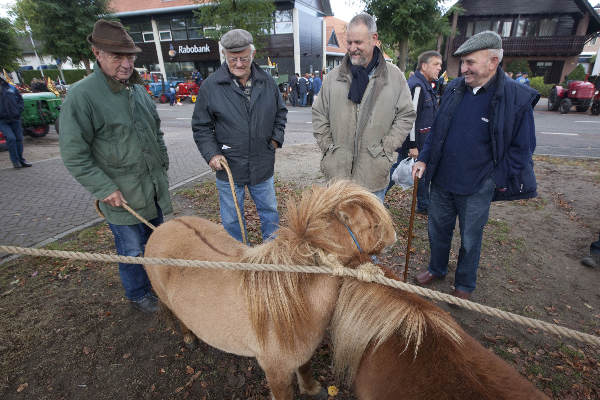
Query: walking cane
[410,225]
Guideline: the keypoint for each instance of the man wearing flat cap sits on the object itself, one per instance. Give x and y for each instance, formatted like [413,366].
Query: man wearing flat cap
[240,117]
[479,150]
[111,142]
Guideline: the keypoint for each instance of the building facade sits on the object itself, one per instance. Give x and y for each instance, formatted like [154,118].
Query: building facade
[548,34]
[173,42]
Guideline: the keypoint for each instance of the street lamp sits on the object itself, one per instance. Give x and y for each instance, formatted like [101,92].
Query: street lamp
[28,29]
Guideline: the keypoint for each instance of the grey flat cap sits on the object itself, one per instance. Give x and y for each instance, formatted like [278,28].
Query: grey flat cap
[236,40]
[481,41]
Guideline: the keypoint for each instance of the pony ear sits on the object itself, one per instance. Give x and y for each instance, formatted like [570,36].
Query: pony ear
[342,216]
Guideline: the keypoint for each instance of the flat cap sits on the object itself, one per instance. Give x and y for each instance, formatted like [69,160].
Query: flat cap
[236,40]
[481,41]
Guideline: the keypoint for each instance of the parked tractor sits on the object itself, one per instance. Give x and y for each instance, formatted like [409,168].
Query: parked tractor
[41,110]
[187,92]
[578,93]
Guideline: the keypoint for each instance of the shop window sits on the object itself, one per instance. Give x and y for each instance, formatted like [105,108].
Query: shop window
[177,23]
[136,36]
[163,24]
[195,33]
[469,31]
[481,26]
[506,28]
[165,36]
[532,28]
[521,24]
[148,36]
[209,30]
[135,31]
[179,34]
[283,21]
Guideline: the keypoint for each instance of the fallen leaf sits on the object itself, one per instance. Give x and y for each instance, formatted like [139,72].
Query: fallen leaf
[22,387]
[126,355]
[86,350]
[588,306]
[179,389]
[189,370]
[162,371]
[332,391]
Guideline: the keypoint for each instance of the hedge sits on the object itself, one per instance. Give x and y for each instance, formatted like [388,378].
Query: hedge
[71,75]
[537,82]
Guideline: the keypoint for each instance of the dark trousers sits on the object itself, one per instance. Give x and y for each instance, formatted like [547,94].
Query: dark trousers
[294,97]
[13,132]
[595,246]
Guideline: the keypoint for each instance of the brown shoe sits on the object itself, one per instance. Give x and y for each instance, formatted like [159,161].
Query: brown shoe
[426,277]
[461,295]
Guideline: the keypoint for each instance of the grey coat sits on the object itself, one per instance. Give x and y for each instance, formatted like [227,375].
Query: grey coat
[225,122]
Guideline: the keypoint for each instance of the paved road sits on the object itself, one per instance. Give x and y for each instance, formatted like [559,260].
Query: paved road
[42,203]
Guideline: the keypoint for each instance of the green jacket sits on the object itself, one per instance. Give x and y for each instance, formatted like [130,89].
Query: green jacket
[110,139]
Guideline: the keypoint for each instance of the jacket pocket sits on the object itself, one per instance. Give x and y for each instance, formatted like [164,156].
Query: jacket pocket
[336,162]
[377,150]
[524,182]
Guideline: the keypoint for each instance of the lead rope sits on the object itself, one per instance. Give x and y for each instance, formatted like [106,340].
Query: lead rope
[149,225]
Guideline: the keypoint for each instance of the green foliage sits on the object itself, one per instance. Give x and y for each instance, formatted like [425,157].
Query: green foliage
[9,48]
[517,66]
[255,16]
[416,21]
[71,75]
[578,74]
[61,25]
[537,82]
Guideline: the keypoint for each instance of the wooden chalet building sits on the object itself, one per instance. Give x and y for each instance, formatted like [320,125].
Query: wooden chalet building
[549,34]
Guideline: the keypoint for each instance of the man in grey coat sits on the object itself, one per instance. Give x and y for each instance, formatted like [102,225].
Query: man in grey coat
[363,112]
[240,116]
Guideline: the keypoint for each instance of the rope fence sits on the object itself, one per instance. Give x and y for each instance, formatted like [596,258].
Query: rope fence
[366,272]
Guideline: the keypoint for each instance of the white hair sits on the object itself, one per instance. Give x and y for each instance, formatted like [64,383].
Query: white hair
[365,19]
[252,50]
[496,53]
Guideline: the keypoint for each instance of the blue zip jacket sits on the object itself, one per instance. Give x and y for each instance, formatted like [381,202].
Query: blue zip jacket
[426,110]
[11,102]
[512,134]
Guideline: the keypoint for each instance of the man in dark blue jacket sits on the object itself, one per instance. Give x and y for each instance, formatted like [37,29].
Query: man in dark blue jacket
[429,67]
[11,107]
[479,150]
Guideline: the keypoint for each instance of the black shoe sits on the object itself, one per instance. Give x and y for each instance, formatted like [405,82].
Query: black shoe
[25,164]
[422,211]
[147,304]
[592,261]
[17,165]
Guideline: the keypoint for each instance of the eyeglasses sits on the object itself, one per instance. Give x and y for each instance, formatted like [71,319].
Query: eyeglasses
[119,57]
[234,60]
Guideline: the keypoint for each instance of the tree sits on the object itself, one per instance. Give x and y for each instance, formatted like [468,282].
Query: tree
[255,16]
[62,25]
[9,47]
[399,22]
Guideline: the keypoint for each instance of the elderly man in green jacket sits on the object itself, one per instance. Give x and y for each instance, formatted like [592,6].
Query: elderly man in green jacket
[111,142]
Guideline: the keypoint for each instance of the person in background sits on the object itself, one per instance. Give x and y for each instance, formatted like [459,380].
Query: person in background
[240,117]
[197,77]
[303,88]
[118,155]
[480,149]
[11,108]
[311,92]
[293,89]
[428,70]
[172,92]
[523,79]
[593,260]
[316,84]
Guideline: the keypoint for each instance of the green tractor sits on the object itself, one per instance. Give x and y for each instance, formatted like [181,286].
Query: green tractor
[41,110]
[281,80]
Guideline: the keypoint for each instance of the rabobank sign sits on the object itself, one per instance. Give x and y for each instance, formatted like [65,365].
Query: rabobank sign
[194,49]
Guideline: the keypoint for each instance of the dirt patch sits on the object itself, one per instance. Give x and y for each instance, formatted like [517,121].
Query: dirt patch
[68,333]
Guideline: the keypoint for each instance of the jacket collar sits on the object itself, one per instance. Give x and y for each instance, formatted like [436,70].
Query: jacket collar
[222,75]
[380,71]
[424,81]
[114,85]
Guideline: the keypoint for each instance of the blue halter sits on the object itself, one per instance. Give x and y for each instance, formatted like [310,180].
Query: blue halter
[373,256]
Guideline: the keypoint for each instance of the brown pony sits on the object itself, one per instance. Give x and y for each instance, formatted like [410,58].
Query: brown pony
[278,318]
[395,345]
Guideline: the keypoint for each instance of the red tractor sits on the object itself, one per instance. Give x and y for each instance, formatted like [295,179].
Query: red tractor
[187,91]
[578,94]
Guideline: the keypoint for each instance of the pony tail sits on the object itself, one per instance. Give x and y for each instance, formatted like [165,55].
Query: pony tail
[368,314]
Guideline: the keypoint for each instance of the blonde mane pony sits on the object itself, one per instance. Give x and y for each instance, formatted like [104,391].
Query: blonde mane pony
[368,314]
[315,226]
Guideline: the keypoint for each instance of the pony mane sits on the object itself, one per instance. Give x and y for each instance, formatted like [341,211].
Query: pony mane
[368,314]
[280,298]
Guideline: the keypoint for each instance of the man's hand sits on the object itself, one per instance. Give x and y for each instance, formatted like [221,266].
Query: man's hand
[115,199]
[418,169]
[215,162]
[413,153]
[274,143]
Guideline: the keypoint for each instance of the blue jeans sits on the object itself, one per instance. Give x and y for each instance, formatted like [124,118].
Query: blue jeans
[472,211]
[263,195]
[130,240]
[595,246]
[303,97]
[13,132]
[380,194]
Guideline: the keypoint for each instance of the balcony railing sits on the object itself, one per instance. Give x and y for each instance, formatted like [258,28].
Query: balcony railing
[536,45]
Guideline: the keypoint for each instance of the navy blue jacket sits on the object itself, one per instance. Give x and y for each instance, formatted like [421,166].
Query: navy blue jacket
[11,102]
[512,133]
[426,110]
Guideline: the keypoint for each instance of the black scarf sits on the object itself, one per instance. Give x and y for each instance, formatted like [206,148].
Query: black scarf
[360,77]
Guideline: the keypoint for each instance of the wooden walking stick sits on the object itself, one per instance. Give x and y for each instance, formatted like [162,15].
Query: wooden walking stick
[410,225]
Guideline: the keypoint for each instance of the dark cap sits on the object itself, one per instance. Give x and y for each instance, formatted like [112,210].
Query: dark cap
[481,41]
[236,40]
[111,36]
